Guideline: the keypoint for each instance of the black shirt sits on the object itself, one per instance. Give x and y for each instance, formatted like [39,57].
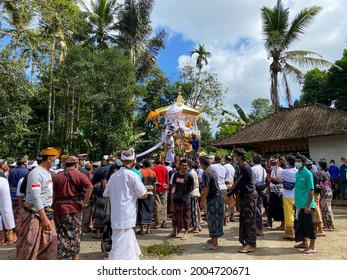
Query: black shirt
[185,181]
[210,179]
[243,181]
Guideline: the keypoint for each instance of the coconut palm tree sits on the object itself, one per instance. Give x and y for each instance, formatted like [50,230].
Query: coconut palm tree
[279,35]
[202,57]
[17,16]
[135,35]
[101,15]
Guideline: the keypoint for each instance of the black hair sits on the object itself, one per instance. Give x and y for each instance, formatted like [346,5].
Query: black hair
[183,160]
[44,158]
[146,163]
[173,165]
[257,159]
[241,153]
[291,160]
[69,164]
[323,164]
[332,160]
[112,169]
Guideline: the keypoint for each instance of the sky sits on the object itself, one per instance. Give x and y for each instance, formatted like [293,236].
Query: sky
[232,31]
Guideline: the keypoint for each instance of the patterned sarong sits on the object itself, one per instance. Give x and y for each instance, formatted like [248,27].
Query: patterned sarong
[99,212]
[181,217]
[69,229]
[247,228]
[327,212]
[215,215]
[194,211]
[160,207]
[33,243]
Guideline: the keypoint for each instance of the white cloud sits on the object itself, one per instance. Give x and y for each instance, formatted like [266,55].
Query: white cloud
[223,25]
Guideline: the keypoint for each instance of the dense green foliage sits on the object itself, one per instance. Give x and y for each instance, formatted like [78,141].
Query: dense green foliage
[327,87]
[84,77]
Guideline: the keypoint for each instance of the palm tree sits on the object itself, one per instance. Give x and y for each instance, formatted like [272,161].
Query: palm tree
[17,16]
[101,16]
[134,38]
[280,34]
[202,57]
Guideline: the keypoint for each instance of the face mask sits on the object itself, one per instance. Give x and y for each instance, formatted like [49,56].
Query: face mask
[298,165]
[273,167]
[331,164]
[119,162]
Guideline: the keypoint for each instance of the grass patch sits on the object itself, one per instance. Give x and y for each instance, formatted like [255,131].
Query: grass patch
[161,250]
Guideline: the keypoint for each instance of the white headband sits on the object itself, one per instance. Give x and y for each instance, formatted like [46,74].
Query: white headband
[131,157]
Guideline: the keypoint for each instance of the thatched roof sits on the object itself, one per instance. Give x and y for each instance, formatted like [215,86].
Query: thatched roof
[290,124]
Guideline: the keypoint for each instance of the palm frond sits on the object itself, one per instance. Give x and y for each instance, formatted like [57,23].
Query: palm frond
[295,73]
[299,24]
[301,58]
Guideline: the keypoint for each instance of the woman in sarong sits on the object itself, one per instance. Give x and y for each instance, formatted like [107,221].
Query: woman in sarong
[326,196]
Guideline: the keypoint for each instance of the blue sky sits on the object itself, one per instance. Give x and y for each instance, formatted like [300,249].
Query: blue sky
[167,60]
[232,32]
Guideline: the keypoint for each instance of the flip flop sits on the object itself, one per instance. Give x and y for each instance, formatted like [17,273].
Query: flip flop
[321,235]
[184,238]
[208,248]
[260,234]
[300,246]
[309,251]
[245,251]
[171,235]
[11,242]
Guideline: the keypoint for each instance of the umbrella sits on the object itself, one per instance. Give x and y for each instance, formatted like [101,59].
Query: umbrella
[151,115]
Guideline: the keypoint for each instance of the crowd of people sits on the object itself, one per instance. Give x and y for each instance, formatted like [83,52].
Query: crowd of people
[46,207]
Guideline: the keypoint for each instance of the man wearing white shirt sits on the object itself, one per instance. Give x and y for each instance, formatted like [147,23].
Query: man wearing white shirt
[258,178]
[219,169]
[287,177]
[229,180]
[124,188]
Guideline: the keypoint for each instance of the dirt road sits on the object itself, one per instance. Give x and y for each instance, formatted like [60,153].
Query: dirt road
[272,246]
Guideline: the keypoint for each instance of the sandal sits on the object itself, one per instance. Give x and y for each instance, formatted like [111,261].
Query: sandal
[309,251]
[171,235]
[301,246]
[163,225]
[208,248]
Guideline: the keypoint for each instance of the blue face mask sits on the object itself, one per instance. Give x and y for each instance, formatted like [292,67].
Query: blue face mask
[273,167]
[298,165]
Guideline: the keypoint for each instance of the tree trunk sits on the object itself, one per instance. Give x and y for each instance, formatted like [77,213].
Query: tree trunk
[50,93]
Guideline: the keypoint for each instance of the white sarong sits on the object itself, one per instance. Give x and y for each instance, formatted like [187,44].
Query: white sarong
[124,245]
